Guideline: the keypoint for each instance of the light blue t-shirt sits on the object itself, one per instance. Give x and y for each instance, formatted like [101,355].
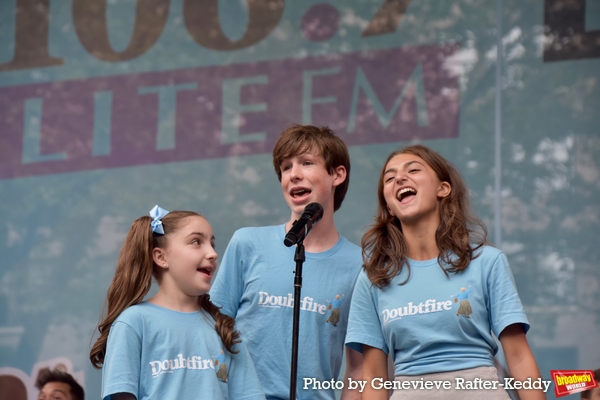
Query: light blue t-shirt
[435,323]
[157,353]
[255,285]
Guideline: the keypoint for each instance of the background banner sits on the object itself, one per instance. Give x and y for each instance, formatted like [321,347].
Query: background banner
[110,107]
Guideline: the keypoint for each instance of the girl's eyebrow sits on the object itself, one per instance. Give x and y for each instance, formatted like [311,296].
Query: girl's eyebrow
[201,234]
[412,162]
[405,165]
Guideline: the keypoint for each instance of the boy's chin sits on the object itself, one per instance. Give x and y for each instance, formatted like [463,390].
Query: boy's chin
[298,208]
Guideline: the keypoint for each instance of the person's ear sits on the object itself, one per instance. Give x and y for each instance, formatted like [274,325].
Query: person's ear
[339,175]
[159,257]
[444,190]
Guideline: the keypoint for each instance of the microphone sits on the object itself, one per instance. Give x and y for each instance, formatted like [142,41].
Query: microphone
[301,227]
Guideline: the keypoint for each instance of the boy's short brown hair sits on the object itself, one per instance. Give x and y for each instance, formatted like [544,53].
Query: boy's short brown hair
[299,139]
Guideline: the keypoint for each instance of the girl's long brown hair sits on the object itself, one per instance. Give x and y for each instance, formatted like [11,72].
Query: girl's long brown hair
[133,279]
[460,232]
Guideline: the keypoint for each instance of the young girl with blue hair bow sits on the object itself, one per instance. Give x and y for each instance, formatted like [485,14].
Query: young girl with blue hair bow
[177,344]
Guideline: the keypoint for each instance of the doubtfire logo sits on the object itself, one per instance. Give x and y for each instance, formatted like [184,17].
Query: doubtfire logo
[572,381]
[169,366]
[424,307]
[306,304]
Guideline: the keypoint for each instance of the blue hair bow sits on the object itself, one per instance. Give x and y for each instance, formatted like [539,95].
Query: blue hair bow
[157,214]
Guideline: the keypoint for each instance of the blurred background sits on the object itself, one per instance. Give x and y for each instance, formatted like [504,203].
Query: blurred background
[108,107]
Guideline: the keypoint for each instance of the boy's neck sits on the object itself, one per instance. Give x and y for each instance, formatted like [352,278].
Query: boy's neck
[323,235]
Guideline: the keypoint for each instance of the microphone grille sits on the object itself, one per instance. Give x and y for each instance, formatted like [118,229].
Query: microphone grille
[315,210]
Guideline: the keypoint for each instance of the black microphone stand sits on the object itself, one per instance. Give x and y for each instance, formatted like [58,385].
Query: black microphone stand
[299,257]
[296,235]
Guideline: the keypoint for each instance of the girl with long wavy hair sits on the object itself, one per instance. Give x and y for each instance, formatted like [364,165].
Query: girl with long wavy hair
[433,294]
[177,344]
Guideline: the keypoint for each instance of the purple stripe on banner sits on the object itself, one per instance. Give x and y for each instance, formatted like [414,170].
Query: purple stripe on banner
[198,113]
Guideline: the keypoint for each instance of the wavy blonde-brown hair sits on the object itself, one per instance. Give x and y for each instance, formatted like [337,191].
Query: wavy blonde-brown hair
[133,279]
[459,234]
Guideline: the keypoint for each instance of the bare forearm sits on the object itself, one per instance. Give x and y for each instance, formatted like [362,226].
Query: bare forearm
[520,360]
[375,366]
[521,370]
[350,393]
[354,372]
[374,394]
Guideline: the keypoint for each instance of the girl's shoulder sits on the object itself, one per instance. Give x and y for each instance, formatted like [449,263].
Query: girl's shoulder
[489,258]
[138,312]
[488,251]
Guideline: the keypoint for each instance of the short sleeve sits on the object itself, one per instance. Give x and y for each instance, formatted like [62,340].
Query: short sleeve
[228,286]
[364,325]
[121,369]
[504,303]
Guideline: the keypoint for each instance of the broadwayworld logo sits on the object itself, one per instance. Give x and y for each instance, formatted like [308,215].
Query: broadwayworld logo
[572,381]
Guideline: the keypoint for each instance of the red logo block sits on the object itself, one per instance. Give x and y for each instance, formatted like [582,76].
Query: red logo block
[571,381]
